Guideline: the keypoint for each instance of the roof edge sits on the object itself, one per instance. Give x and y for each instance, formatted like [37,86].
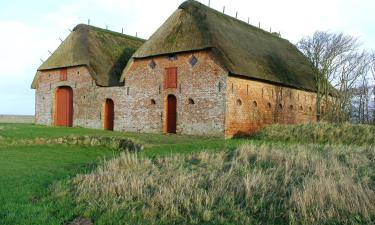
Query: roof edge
[173,52]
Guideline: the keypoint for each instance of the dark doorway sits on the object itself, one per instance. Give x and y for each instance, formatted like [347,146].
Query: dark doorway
[171,114]
[109,114]
[64,107]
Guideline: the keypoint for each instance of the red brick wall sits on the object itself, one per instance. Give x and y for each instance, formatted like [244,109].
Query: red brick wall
[199,83]
[240,106]
[252,104]
[88,99]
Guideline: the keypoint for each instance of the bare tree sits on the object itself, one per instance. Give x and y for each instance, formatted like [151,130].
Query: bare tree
[327,53]
[361,93]
[350,80]
[373,87]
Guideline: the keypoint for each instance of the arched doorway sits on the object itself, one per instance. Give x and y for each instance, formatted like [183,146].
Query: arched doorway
[64,106]
[171,114]
[109,114]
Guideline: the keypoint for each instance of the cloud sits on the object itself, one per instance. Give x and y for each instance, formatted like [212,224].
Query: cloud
[27,37]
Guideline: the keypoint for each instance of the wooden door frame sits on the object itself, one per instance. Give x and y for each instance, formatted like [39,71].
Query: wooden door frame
[104,117]
[54,115]
[165,127]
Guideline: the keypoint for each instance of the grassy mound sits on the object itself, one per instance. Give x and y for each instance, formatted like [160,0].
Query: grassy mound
[256,184]
[322,133]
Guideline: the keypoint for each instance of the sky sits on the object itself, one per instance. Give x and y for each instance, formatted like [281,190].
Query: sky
[30,29]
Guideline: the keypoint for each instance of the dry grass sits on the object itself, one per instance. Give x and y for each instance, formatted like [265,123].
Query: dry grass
[267,184]
[16,119]
[323,133]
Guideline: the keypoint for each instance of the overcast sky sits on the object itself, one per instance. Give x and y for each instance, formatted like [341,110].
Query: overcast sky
[29,29]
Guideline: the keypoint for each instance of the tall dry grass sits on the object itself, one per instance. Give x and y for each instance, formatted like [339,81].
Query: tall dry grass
[267,184]
[323,133]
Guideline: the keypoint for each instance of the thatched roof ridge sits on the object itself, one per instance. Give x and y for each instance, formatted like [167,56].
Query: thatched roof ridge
[244,50]
[104,52]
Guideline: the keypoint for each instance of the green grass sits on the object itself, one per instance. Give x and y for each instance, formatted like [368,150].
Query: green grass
[31,174]
[191,180]
[26,174]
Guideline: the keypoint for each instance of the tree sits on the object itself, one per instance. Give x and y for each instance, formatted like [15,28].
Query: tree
[328,53]
[353,86]
[373,87]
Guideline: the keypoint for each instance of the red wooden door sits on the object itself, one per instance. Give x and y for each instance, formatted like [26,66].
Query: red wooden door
[64,107]
[171,114]
[109,114]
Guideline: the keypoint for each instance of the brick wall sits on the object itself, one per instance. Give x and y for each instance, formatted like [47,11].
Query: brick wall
[253,104]
[222,105]
[199,83]
[88,99]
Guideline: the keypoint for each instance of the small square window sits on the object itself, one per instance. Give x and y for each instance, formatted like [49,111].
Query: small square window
[193,61]
[172,57]
[152,64]
[170,79]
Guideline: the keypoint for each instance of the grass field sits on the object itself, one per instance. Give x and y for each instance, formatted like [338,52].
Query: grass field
[308,174]
[16,119]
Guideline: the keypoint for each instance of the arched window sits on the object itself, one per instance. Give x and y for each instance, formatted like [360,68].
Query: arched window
[191,101]
[153,102]
[269,105]
[291,107]
[239,102]
[255,104]
[280,106]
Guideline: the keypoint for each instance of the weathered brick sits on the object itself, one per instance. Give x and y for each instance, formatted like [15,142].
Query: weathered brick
[223,105]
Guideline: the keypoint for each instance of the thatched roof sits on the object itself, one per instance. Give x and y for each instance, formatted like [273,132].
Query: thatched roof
[104,52]
[244,50]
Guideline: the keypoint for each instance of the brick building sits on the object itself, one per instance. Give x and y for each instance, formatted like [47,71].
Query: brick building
[201,73]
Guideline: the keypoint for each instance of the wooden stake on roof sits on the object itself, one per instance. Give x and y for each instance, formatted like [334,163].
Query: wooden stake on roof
[259,25]
[236,14]
[106,27]
[88,22]
[50,52]
[224,9]
[122,30]
[248,20]
[209,3]
[61,40]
